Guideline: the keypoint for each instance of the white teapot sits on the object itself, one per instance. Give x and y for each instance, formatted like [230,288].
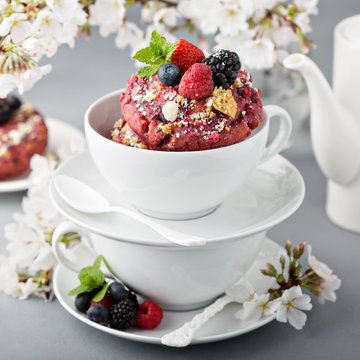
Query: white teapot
[335,122]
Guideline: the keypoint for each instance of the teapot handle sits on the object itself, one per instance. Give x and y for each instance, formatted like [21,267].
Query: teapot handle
[283,135]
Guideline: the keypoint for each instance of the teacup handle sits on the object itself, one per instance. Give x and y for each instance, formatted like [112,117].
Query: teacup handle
[283,135]
[67,227]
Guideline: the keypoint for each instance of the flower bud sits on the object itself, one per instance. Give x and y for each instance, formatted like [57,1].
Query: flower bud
[271,269]
[288,247]
[282,261]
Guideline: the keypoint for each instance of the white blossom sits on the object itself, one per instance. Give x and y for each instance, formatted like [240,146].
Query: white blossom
[71,25]
[8,83]
[289,306]
[17,26]
[259,54]
[8,274]
[63,9]
[167,16]
[47,24]
[129,34]
[30,77]
[22,290]
[255,308]
[148,11]
[108,15]
[331,281]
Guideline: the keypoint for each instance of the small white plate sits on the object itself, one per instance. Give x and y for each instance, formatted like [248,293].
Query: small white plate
[272,193]
[58,132]
[223,326]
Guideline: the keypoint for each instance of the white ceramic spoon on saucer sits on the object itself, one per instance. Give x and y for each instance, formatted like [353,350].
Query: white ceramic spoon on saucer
[84,198]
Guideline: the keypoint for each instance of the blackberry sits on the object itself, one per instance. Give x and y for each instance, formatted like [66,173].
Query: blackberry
[225,66]
[123,314]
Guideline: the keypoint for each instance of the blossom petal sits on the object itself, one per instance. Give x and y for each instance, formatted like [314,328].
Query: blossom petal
[296,318]
[282,313]
[303,302]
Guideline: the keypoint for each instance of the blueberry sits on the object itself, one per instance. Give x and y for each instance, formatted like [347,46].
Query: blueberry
[169,74]
[98,314]
[118,291]
[82,301]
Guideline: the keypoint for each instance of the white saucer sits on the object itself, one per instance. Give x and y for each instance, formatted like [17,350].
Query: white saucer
[222,326]
[58,132]
[271,194]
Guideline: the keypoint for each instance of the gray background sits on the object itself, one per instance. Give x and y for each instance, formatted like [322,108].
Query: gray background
[34,330]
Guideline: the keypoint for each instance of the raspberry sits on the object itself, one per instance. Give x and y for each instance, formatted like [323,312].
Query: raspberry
[106,301]
[197,82]
[186,54]
[149,315]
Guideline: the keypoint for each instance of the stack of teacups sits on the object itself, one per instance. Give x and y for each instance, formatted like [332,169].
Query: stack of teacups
[189,191]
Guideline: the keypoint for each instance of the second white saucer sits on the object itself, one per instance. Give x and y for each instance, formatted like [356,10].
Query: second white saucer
[271,194]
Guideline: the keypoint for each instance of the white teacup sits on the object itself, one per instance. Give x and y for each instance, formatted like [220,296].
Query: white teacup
[176,277]
[177,185]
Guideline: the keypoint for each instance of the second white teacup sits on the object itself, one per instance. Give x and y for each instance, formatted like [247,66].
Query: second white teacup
[177,185]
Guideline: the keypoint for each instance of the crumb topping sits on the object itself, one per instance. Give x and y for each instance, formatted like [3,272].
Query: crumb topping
[223,101]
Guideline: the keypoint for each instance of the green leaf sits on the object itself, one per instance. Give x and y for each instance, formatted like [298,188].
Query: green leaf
[99,296]
[79,290]
[86,271]
[148,71]
[157,53]
[169,49]
[91,277]
[144,55]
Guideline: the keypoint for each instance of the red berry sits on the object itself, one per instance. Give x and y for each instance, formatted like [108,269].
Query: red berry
[149,315]
[186,54]
[106,301]
[197,82]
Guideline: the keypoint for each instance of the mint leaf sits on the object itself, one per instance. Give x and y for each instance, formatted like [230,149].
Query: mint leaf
[79,290]
[144,55]
[91,277]
[157,53]
[169,49]
[99,296]
[148,71]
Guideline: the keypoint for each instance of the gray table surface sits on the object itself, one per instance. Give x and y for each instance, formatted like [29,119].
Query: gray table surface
[34,330]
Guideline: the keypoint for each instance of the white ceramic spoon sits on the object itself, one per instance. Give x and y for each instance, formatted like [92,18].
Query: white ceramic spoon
[183,335]
[84,198]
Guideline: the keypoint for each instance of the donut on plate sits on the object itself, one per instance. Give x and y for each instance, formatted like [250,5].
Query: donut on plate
[23,133]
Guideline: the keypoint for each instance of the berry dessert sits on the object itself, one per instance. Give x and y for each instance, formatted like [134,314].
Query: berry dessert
[111,304]
[23,133]
[185,100]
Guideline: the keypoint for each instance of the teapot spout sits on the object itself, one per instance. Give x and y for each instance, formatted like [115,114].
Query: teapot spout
[335,131]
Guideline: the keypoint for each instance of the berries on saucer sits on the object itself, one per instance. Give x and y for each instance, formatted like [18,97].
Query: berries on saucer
[186,54]
[123,314]
[98,313]
[149,315]
[169,74]
[224,65]
[197,82]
